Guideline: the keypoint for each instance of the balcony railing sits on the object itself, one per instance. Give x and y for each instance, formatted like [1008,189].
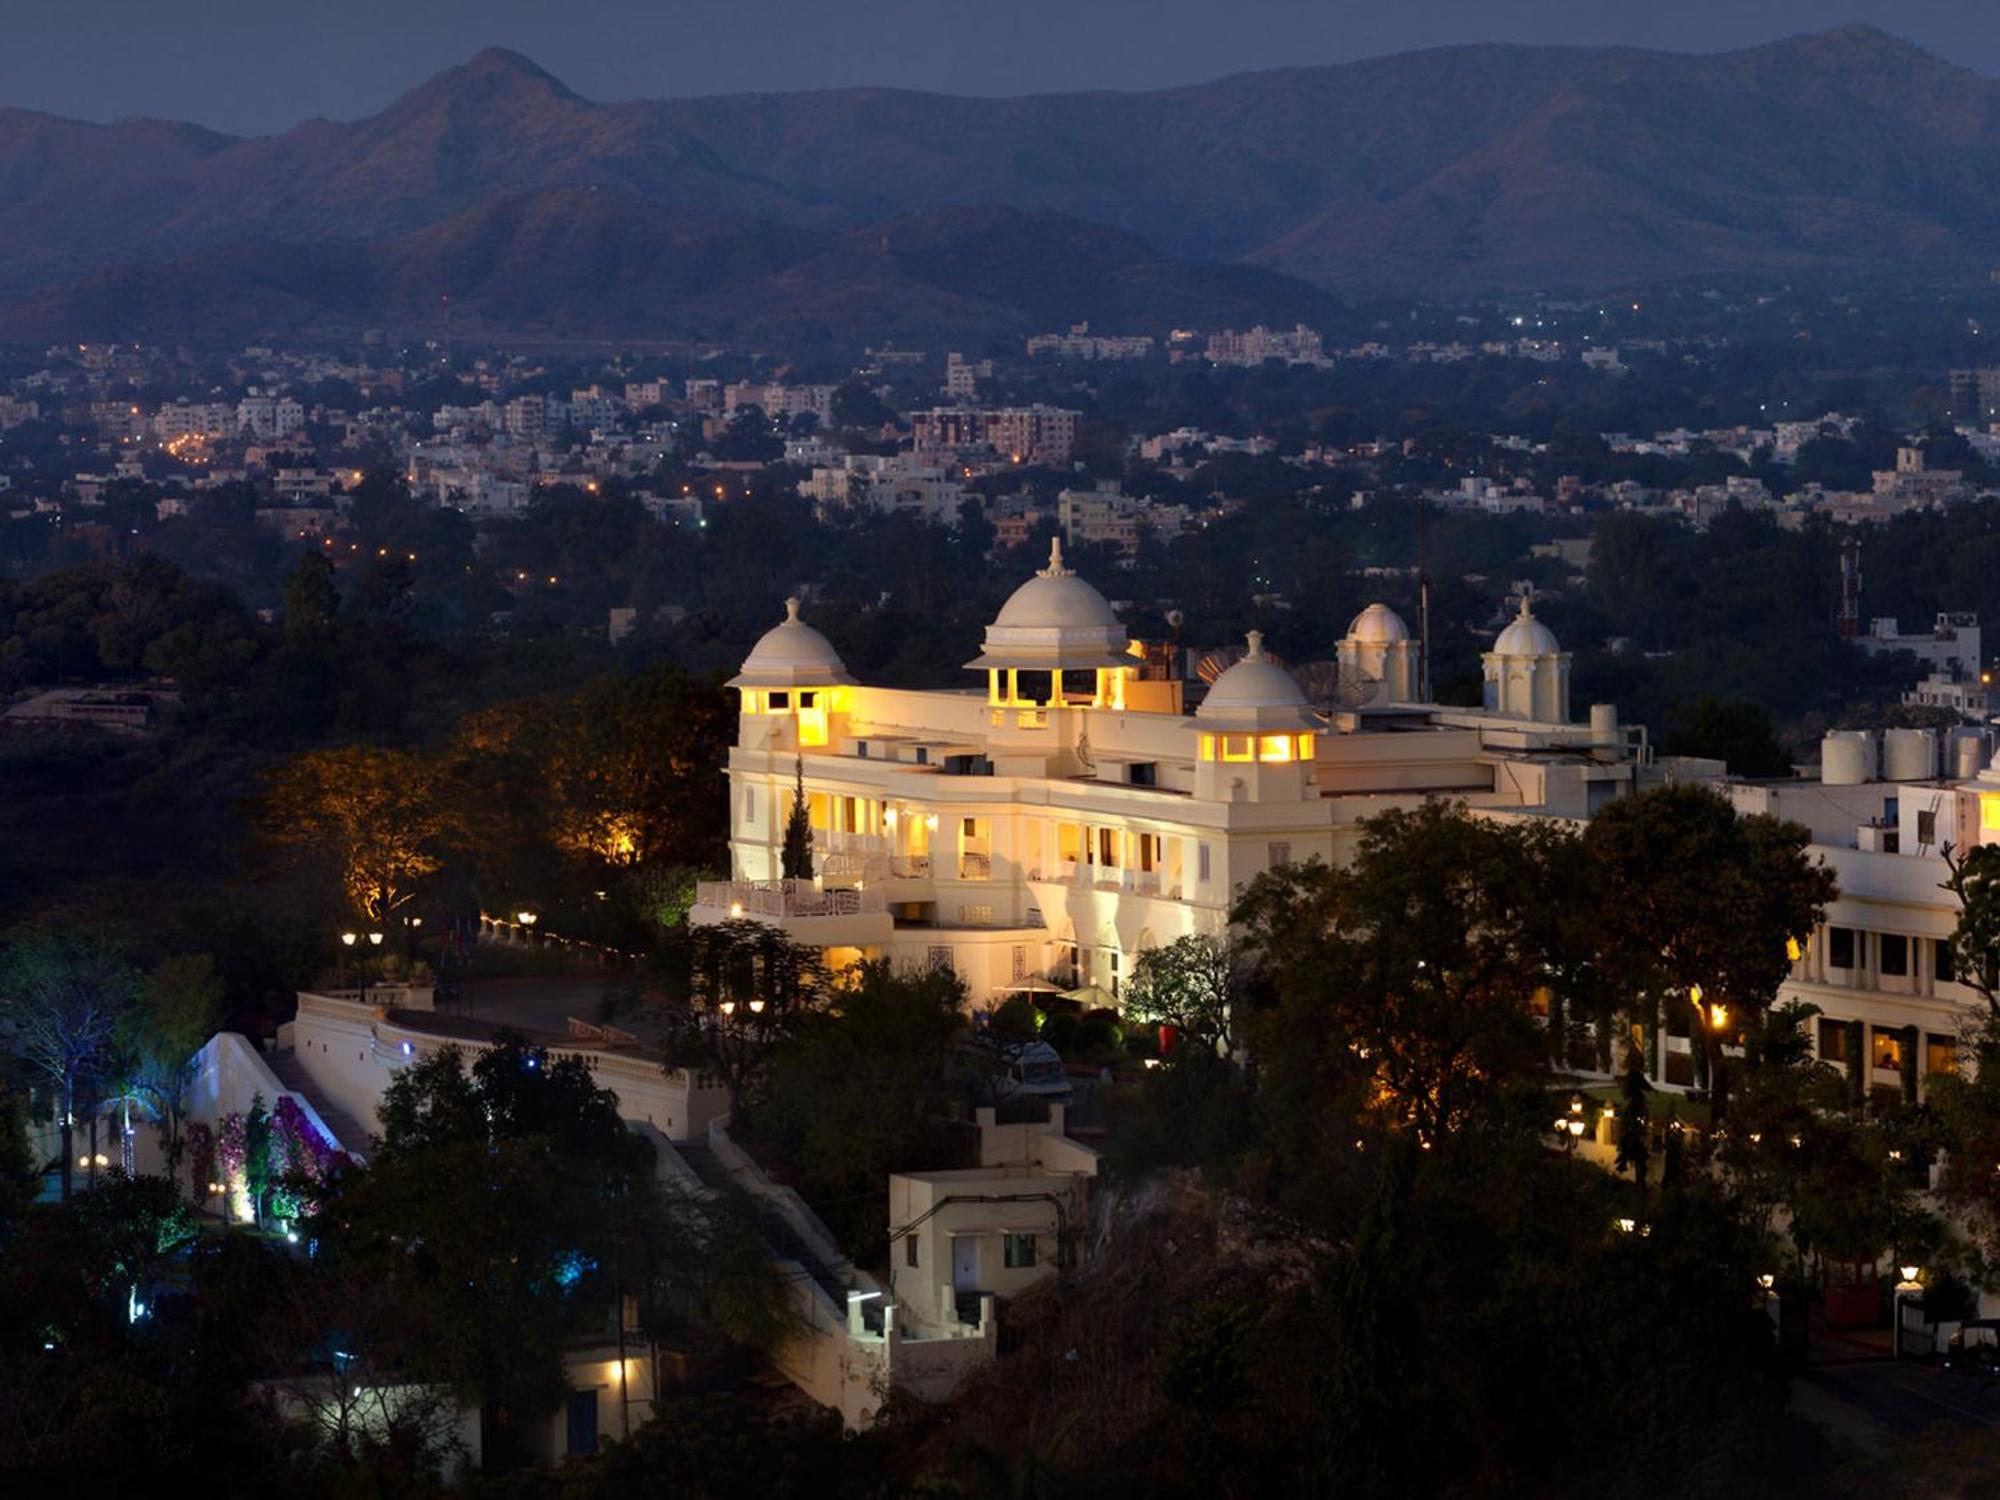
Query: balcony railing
[1111,878]
[972,866]
[768,899]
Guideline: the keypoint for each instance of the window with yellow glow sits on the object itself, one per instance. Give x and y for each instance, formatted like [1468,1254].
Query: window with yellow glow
[1989,812]
[1238,747]
[1208,747]
[1283,748]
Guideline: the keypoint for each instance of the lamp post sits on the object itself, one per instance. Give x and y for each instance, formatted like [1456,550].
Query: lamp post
[1909,1289]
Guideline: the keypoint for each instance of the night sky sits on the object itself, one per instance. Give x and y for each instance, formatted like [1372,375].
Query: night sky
[261,65]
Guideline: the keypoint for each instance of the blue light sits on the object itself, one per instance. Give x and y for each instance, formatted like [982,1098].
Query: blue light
[408,1049]
[572,1267]
[534,1062]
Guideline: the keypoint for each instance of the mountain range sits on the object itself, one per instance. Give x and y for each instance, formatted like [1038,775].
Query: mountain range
[495,196]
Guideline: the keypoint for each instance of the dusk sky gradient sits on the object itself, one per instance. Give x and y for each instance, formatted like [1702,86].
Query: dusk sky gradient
[254,66]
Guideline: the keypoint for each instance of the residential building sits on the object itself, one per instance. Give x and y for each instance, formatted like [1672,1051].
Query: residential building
[1018,434]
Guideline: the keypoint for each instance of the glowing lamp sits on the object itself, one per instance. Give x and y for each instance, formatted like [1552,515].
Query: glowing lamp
[1576,1127]
[1793,950]
[756,1007]
[1718,1016]
[736,908]
[728,1007]
[374,939]
[1766,1280]
[527,918]
[1910,1273]
[350,938]
[1627,1226]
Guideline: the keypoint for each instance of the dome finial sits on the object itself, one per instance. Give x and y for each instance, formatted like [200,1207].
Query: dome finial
[1055,569]
[792,610]
[1256,640]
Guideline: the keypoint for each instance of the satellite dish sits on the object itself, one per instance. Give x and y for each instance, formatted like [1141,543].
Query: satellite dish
[1332,688]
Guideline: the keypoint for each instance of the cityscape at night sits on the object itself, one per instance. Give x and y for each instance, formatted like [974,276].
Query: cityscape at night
[961,751]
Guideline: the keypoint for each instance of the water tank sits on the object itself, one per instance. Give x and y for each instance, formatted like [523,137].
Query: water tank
[1604,724]
[1847,757]
[1909,754]
[1970,750]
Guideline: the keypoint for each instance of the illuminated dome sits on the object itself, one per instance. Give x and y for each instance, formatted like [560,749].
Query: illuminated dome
[1256,693]
[1055,620]
[1378,625]
[1526,636]
[791,654]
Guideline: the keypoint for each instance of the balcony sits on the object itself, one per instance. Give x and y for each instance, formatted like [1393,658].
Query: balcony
[1089,877]
[844,917]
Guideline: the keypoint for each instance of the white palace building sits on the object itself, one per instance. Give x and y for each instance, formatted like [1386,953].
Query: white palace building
[1066,810]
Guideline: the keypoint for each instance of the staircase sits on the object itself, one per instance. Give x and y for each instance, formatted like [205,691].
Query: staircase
[779,1237]
[349,1133]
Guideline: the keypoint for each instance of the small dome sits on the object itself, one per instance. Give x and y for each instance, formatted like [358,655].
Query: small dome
[1526,636]
[791,654]
[1056,599]
[1256,692]
[1378,625]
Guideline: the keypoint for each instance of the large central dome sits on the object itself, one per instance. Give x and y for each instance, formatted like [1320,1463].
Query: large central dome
[1055,621]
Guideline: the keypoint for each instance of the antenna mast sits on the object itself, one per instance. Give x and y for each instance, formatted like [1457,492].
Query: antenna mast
[1423,612]
[1850,588]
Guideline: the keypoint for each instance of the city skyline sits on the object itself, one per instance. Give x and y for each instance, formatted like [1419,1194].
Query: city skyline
[262,69]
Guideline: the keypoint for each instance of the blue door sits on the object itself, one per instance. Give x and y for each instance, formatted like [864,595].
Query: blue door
[583,1421]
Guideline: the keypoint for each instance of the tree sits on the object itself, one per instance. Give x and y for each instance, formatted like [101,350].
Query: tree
[505,1209]
[1975,938]
[857,1089]
[1735,732]
[1408,959]
[737,989]
[66,1000]
[796,858]
[1191,985]
[179,1009]
[374,816]
[1701,905]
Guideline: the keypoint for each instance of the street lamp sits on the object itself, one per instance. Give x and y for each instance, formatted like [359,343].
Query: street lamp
[1910,1289]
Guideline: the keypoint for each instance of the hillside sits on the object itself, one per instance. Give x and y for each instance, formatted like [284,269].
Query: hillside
[599,263]
[1459,170]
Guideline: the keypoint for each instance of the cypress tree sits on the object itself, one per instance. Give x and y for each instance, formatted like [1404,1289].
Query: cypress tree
[796,858]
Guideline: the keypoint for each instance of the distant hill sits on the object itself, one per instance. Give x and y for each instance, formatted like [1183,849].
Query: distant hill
[1458,170]
[601,264]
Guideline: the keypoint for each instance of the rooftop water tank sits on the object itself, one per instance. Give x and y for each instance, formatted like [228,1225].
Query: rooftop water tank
[1969,752]
[1909,754]
[1847,757]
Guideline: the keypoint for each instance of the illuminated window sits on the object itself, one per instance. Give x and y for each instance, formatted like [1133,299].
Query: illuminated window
[1989,812]
[1276,747]
[1940,1054]
[1237,747]
[1208,747]
[1886,1049]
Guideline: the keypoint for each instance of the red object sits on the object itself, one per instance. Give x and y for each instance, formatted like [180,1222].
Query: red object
[1169,1035]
